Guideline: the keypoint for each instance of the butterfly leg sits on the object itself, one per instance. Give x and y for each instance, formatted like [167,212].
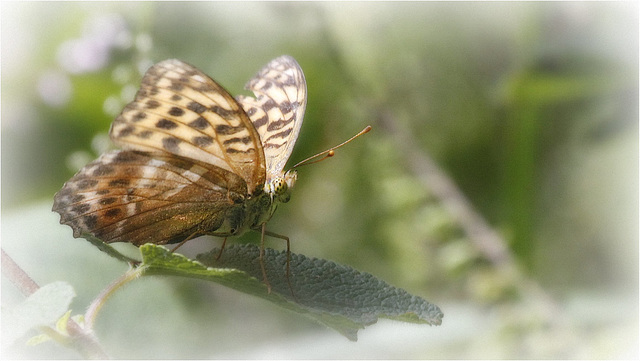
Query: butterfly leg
[221,248]
[183,242]
[264,270]
[288,267]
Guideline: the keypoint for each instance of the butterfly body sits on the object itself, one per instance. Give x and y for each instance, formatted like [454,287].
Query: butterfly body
[195,161]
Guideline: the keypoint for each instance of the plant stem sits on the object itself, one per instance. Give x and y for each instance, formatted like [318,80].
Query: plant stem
[18,276]
[99,301]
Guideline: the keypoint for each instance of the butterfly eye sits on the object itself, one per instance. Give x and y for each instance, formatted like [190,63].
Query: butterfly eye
[281,186]
[282,190]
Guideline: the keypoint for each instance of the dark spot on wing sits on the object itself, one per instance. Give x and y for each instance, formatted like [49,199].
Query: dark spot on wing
[166,124]
[145,134]
[138,117]
[120,182]
[81,208]
[224,113]
[91,221]
[244,140]
[176,112]
[260,121]
[86,183]
[202,141]
[102,170]
[171,144]
[226,129]
[126,131]
[199,123]
[196,107]
[107,201]
[113,212]
[152,104]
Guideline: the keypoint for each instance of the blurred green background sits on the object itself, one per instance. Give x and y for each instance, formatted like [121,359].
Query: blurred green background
[530,110]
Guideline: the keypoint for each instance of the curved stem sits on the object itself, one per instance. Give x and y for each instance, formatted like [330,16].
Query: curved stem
[99,301]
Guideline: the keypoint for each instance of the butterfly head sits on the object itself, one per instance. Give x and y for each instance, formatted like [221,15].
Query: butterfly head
[279,188]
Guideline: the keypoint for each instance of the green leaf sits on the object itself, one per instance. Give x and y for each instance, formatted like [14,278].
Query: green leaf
[335,295]
[43,308]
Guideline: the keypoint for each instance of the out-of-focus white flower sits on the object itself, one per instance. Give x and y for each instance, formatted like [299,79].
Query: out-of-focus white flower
[92,50]
[55,88]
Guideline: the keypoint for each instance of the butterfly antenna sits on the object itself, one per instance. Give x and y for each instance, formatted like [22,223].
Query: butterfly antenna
[331,151]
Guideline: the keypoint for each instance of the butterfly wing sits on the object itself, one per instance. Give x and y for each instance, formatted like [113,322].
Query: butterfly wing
[277,110]
[191,158]
[139,198]
[181,111]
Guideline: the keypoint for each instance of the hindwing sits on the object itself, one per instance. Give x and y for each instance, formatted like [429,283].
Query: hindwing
[277,110]
[141,197]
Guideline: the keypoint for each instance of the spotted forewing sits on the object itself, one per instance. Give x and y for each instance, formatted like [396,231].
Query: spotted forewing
[180,110]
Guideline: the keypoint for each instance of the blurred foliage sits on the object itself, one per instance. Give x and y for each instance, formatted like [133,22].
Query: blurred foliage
[530,108]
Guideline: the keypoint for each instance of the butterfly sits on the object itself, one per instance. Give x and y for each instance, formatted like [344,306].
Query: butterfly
[194,160]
